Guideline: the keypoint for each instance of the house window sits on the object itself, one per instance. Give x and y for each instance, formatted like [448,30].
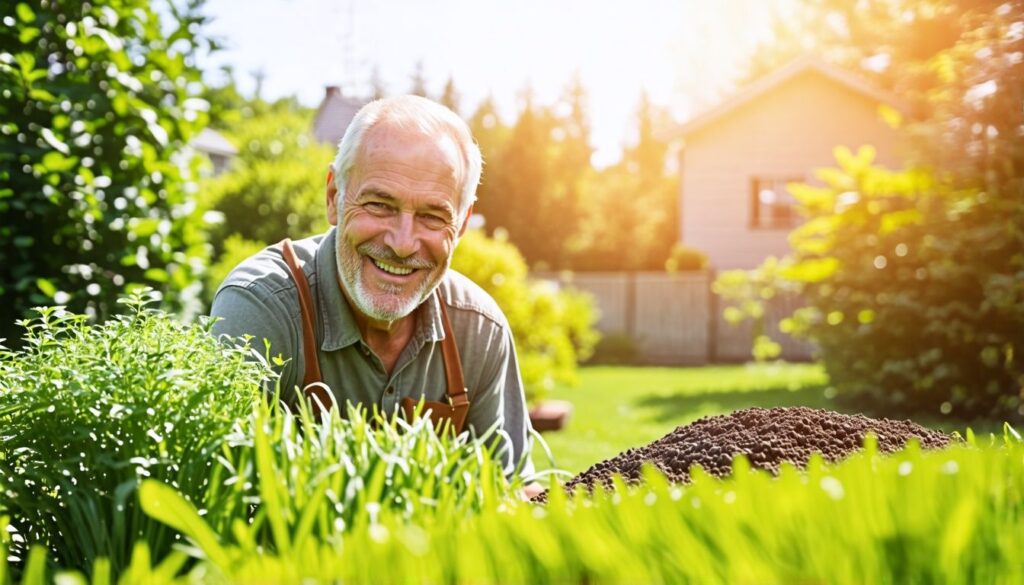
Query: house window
[772,205]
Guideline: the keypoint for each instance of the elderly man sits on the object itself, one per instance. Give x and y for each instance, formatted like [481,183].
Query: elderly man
[382,302]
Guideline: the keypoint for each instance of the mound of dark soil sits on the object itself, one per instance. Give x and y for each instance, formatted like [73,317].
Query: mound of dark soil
[767,436]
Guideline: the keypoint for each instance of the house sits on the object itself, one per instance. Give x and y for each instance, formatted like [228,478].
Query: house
[334,115]
[215,146]
[738,157]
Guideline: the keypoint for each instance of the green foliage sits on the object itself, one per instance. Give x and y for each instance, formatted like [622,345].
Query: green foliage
[276,186]
[540,187]
[316,482]
[915,289]
[617,348]
[630,216]
[553,329]
[97,104]
[913,279]
[682,258]
[949,516]
[89,411]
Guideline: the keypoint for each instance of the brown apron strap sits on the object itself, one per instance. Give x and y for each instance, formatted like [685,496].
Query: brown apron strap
[458,397]
[312,380]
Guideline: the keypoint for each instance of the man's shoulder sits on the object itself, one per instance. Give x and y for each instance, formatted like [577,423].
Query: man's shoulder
[461,293]
[266,272]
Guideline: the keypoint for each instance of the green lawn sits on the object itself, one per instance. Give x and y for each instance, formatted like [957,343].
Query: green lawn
[616,407]
[619,407]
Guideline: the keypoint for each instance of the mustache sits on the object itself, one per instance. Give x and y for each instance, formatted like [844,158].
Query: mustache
[385,254]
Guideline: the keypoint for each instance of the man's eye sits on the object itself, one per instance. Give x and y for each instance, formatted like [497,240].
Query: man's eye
[377,207]
[434,222]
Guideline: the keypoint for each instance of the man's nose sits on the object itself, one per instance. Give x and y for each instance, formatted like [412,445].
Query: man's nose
[401,236]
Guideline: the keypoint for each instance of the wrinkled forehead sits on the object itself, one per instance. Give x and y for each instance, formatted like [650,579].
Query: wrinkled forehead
[433,153]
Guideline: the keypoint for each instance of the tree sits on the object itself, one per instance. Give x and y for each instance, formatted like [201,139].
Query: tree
[419,81]
[631,208]
[98,103]
[450,97]
[378,89]
[275,188]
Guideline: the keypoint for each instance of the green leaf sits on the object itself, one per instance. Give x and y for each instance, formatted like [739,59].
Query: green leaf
[56,162]
[28,34]
[46,286]
[25,13]
[891,116]
[897,219]
[156,275]
[164,504]
[812,270]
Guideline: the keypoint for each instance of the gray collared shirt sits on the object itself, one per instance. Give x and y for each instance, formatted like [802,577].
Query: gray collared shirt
[259,298]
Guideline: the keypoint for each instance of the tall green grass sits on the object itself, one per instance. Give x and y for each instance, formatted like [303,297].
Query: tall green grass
[951,516]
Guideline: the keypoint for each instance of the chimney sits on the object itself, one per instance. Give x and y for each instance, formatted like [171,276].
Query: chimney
[332,90]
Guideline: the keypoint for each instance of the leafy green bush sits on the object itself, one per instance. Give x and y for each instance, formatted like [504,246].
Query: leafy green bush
[88,411]
[97,105]
[914,289]
[683,258]
[276,185]
[553,328]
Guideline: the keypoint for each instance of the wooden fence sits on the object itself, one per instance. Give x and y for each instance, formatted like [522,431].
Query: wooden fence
[675,319]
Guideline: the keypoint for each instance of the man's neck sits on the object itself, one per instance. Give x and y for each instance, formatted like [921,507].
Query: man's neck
[387,339]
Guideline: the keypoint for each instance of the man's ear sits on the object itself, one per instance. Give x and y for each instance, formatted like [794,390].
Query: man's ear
[465,221]
[332,198]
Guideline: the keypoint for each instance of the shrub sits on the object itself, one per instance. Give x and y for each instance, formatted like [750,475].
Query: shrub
[618,348]
[276,185]
[88,411]
[683,258]
[97,105]
[914,289]
[553,328]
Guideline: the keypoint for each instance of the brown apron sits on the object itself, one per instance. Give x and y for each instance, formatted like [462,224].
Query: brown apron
[454,412]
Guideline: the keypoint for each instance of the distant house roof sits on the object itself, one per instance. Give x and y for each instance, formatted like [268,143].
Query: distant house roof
[213,142]
[781,75]
[334,115]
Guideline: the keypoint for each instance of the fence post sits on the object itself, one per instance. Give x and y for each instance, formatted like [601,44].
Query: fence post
[713,309]
[631,305]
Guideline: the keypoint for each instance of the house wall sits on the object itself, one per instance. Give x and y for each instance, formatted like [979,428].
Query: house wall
[790,130]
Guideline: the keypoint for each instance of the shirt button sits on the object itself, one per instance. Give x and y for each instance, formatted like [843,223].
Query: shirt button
[389,391]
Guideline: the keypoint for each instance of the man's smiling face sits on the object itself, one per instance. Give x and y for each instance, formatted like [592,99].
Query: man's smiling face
[398,222]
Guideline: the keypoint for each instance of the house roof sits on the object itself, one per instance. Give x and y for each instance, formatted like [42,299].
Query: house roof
[780,76]
[334,115]
[213,142]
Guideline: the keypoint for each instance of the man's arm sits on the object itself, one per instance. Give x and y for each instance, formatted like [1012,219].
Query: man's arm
[501,398]
[240,312]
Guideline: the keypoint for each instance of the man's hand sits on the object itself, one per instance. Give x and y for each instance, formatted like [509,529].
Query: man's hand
[530,490]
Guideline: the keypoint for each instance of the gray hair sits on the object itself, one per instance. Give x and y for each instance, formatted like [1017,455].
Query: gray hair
[410,111]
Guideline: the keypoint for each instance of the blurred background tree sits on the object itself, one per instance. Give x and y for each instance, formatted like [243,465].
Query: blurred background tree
[98,103]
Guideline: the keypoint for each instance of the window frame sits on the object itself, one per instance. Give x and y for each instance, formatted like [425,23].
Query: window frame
[759,211]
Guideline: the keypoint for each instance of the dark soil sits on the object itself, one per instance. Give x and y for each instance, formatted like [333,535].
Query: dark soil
[767,436]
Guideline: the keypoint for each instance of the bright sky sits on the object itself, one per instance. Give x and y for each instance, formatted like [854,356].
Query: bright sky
[685,53]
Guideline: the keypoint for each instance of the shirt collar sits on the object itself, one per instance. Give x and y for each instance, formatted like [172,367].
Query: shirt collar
[337,320]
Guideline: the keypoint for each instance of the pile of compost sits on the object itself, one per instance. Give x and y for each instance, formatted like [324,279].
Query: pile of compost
[767,436]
